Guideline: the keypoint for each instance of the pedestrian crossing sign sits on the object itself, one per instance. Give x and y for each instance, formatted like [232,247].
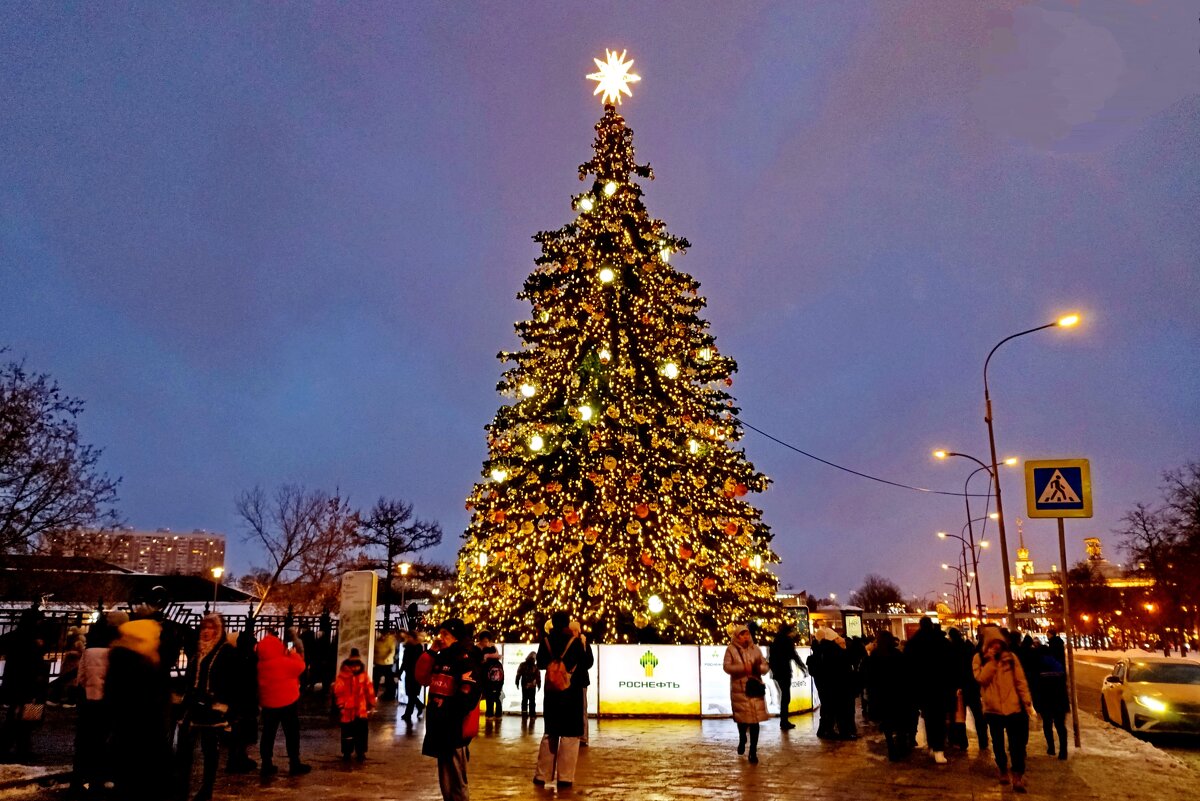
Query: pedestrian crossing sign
[1058,488]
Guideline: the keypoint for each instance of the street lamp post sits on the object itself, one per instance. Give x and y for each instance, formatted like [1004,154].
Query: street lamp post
[964,581]
[940,454]
[217,572]
[1063,322]
[404,568]
[970,545]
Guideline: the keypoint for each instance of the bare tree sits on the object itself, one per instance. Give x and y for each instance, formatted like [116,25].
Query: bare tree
[877,594]
[305,534]
[392,531]
[49,480]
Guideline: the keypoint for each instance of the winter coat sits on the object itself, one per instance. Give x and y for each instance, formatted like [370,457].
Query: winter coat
[1050,696]
[453,692]
[408,662]
[26,672]
[740,664]
[783,654]
[1002,686]
[563,709]
[354,691]
[889,690]
[213,678]
[93,668]
[278,673]
[138,695]
[528,675]
[931,666]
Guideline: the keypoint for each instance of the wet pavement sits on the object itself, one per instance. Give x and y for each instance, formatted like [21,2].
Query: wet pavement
[670,759]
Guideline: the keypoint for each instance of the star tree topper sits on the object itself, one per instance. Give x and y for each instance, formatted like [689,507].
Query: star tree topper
[613,76]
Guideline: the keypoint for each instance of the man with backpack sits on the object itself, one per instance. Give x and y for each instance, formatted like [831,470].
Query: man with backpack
[561,654]
[493,674]
[451,673]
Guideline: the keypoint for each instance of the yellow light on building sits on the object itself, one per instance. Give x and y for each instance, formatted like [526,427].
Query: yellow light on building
[607,275]
[528,390]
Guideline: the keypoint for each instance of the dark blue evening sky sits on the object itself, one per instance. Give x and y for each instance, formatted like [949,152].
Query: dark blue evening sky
[281,242]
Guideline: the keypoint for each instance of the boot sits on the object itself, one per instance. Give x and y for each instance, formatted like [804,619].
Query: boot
[1018,782]
[1062,749]
[1004,777]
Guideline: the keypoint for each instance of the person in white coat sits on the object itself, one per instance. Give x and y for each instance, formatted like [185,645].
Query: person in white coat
[747,692]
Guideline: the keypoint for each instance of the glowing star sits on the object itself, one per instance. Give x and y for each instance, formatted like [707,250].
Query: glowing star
[613,77]
[607,275]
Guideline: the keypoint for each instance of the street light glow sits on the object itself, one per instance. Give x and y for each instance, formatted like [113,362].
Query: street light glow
[404,568]
[942,534]
[1068,321]
[1012,460]
[939,454]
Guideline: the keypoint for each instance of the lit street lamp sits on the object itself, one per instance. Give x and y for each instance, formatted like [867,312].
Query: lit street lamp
[1062,322]
[404,567]
[217,572]
[1012,460]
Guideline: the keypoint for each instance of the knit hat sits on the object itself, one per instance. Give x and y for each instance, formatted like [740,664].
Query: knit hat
[354,653]
[454,625]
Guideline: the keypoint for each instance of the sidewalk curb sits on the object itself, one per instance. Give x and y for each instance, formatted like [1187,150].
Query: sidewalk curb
[48,778]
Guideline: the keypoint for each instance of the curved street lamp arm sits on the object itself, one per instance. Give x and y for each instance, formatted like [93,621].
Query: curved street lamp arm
[1001,342]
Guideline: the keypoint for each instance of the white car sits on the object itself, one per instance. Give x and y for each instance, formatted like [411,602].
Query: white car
[1152,693]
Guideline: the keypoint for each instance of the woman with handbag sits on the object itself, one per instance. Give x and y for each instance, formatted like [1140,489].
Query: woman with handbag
[211,674]
[747,691]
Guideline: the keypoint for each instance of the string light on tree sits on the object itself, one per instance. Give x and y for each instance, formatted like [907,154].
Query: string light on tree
[620,495]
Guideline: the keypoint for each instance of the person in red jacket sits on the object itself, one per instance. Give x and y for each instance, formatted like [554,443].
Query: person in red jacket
[279,669]
[355,694]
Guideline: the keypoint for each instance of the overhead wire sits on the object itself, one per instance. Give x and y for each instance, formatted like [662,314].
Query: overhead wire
[851,471]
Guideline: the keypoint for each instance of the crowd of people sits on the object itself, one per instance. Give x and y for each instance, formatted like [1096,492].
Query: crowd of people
[139,726]
[937,678]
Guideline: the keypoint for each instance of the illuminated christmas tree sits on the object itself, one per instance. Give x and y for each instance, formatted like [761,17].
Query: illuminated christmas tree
[612,487]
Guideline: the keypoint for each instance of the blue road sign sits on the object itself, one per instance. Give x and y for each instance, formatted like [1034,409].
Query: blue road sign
[1058,488]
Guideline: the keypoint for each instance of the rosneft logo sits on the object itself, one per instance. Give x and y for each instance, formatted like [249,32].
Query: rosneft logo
[649,662]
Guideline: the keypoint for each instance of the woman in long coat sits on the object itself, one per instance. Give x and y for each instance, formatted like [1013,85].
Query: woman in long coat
[744,663]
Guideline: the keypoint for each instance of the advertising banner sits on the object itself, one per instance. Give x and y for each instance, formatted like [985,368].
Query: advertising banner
[714,683]
[648,680]
[513,655]
[357,627]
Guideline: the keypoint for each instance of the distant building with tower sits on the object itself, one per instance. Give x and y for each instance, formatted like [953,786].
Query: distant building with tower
[162,552]
[1040,587]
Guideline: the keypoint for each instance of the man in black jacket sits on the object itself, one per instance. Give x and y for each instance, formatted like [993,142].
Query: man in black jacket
[930,665]
[453,696]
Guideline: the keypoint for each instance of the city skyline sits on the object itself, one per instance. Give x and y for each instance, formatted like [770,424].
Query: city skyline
[274,248]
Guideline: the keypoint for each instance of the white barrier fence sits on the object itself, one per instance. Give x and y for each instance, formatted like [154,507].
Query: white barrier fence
[659,680]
